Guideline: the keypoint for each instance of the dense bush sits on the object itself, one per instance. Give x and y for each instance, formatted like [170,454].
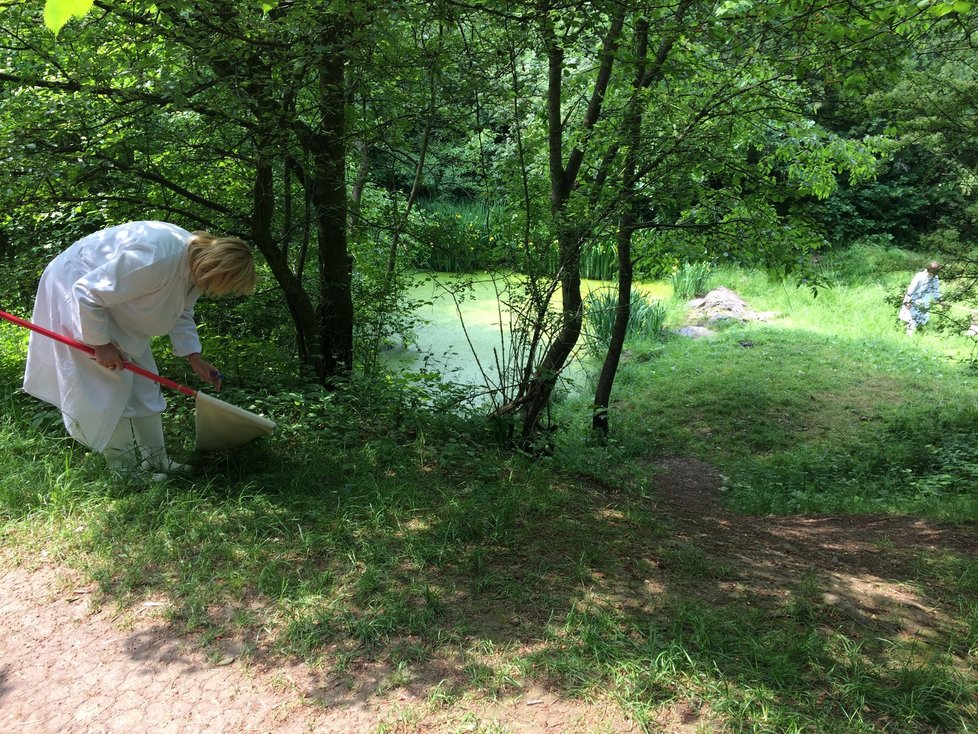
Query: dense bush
[868,260]
[912,196]
[453,237]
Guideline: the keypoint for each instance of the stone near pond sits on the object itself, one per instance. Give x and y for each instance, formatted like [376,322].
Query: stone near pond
[721,304]
[695,332]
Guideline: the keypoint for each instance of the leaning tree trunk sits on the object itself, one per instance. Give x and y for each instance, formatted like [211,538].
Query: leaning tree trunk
[297,301]
[569,235]
[544,379]
[606,380]
[626,227]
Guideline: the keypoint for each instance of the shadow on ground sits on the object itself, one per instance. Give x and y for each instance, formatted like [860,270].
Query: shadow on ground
[495,589]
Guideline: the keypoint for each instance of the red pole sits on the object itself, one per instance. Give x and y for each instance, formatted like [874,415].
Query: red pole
[89,350]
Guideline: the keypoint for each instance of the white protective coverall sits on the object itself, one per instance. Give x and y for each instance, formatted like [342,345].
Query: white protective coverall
[122,285]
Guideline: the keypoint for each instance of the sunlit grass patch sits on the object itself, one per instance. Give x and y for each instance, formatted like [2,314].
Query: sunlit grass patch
[827,408]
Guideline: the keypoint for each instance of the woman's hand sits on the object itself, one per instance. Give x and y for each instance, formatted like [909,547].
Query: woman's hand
[109,356]
[205,371]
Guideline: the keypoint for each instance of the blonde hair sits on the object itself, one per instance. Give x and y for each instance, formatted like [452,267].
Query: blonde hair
[221,266]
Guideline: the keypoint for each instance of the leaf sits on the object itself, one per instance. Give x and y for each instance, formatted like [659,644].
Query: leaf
[942,9]
[59,12]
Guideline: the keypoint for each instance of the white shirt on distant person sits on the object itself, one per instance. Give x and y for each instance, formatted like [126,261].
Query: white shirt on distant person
[924,289]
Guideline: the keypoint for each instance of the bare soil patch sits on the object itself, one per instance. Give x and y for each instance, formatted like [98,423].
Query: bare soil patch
[856,562]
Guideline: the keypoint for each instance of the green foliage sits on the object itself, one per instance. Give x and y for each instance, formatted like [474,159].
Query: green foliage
[946,241]
[453,237]
[59,12]
[868,260]
[646,318]
[932,173]
[385,313]
[910,196]
[599,260]
[690,280]
[812,157]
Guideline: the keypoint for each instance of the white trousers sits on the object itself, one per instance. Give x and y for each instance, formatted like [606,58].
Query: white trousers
[138,441]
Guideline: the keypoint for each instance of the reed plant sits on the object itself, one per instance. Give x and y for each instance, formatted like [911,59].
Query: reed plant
[690,280]
[646,319]
[599,260]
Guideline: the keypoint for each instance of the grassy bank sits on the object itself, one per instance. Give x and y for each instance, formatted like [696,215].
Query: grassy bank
[387,546]
[829,407]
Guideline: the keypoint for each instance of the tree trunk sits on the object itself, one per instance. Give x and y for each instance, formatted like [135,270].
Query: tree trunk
[569,235]
[356,192]
[626,227]
[335,312]
[545,378]
[296,299]
[606,380]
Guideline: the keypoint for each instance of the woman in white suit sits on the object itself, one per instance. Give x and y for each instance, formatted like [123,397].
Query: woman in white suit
[113,290]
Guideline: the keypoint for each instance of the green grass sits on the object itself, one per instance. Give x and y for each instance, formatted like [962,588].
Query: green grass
[828,408]
[367,530]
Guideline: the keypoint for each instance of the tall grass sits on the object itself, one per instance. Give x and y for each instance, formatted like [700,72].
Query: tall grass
[869,260]
[690,280]
[646,318]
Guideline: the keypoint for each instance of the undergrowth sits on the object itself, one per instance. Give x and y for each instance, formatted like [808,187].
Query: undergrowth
[372,528]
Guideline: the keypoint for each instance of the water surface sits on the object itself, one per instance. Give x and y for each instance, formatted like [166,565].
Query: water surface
[464,334]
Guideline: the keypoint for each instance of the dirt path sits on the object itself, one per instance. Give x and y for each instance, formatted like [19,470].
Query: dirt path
[67,667]
[857,562]
[70,666]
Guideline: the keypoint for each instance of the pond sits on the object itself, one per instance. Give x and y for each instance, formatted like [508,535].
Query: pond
[464,333]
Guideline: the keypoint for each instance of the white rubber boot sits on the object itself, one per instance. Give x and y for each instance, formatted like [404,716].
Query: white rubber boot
[149,437]
[122,455]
